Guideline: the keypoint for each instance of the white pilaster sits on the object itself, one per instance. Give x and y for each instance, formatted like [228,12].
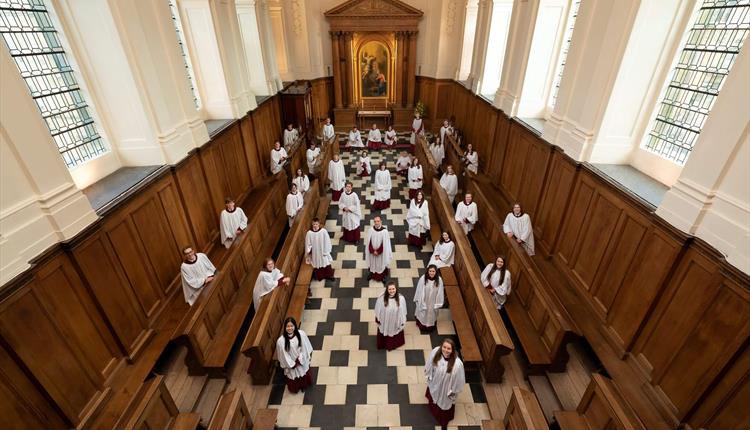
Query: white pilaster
[469,33]
[251,41]
[268,46]
[479,55]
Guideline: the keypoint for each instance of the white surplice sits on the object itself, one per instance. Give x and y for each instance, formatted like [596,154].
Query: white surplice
[429,297]
[336,175]
[445,131]
[467,216]
[229,223]
[444,250]
[302,183]
[352,217]
[376,239]
[318,248]
[438,152]
[382,185]
[501,288]
[450,185]
[521,229]
[472,161]
[418,218]
[392,318]
[415,177]
[290,136]
[194,276]
[297,352]
[265,283]
[416,129]
[374,135]
[444,387]
[390,137]
[328,131]
[403,162]
[294,203]
[364,164]
[276,160]
[313,159]
[355,139]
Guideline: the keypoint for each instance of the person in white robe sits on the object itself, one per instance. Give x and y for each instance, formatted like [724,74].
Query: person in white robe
[363,165]
[301,181]
[390,316]
[471,159]
[294,203]
[429,297]
[313,158]
[278,158]
[351,214]
[438,151]
[290,135]
[402,163]
[374,138]
[467,214]
[336,177]
[418,220]
[294,352]
[417,129]
[446,130]
[378,252]
[390,136]
[445,376]
[518,227]
[269,278]
[444,252]
[196,271]
[449,182]
[415,176]
[328,130]
[496,280]
[318,251]
[355,139]
[382,198]
[232,222]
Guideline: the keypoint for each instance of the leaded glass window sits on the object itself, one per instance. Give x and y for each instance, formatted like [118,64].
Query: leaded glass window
[185,57]
[564,50]
[711,46]
[35,46]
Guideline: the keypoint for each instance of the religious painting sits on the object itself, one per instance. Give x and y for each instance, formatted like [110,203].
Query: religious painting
[373,65]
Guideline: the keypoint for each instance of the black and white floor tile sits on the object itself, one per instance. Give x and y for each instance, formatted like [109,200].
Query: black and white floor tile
[356,385]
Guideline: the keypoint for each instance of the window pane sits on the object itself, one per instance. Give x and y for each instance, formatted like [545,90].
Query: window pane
[35,46]
[185,58]
[712,44]
[564,50]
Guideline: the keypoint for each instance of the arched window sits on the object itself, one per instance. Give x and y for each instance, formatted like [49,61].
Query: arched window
[498,38]
[719,29]
[185,55]
[564,51]
[36,47]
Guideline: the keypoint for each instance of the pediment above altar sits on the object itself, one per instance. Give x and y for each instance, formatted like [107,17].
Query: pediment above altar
[373,15]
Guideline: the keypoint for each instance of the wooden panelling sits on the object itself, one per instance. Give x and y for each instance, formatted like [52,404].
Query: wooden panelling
[524,168]
[267,126]
[56,331]
[554,202]
[254,163]
[603,408]
[194,192]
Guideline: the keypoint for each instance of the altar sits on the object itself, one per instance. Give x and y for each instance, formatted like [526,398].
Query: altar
[366,118]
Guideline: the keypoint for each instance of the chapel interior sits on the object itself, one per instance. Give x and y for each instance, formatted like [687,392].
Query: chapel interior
[621,127]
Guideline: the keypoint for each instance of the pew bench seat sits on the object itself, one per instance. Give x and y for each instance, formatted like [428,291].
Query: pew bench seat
[493,425]
[231,413]
[470,352]
[187,421]
[299,296]
[265,419]
[570,420]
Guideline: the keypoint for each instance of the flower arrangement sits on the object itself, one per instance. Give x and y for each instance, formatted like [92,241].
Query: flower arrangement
[421,109]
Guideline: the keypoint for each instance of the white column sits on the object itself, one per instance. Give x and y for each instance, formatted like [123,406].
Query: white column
[586,95]
[469,33]
[251,41]
[164,109]
[522,24]
[497,40]
[40,204]
[450,35]
[268,46]
[212,35]
[479,55]
[711,199]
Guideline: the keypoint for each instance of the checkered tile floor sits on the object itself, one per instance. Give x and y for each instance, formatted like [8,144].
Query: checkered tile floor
[356,385]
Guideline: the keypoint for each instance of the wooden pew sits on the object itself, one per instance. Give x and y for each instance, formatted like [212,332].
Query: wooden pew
[601,408]
[453,154]
[231,413]
[492,336]
[260,341]
[493,425]
[524,412]
[540,321]
[265,419]
[152,408]
[211,327]
[328,148]
[429,166]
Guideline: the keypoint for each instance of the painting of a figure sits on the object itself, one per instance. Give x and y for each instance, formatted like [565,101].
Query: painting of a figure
[374,70]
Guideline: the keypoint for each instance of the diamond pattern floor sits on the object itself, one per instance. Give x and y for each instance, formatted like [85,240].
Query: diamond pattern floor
[356,385]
